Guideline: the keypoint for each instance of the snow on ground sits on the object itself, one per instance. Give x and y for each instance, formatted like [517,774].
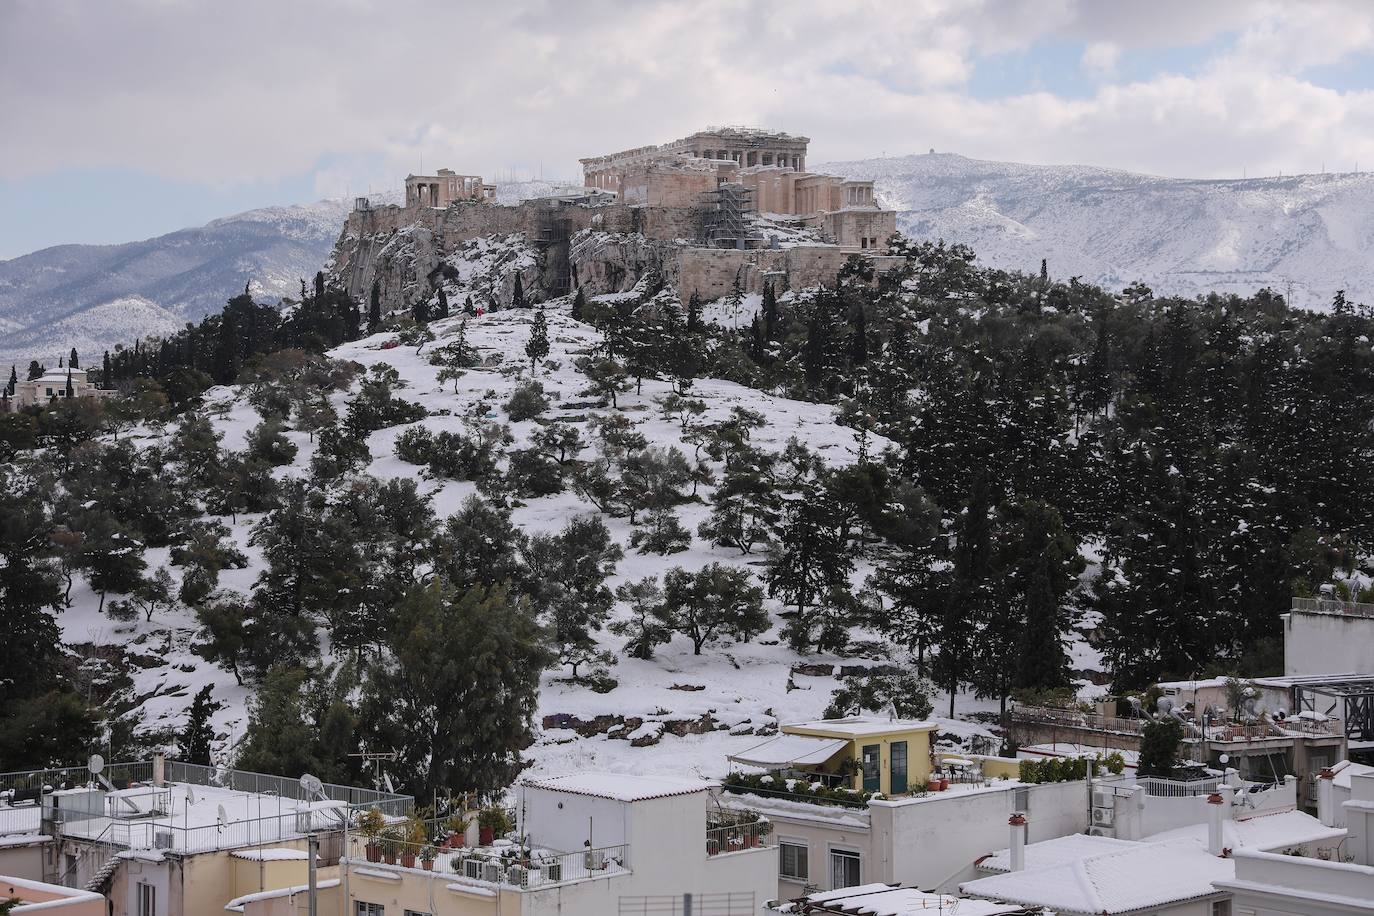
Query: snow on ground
[745,689]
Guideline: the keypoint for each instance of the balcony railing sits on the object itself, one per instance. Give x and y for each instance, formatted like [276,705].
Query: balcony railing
[511,866]
[1073,718]
[1332,606]
[738,837]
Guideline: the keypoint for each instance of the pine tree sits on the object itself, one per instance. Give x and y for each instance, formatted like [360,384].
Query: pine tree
[71,360]
[443,303]
[420,312]
[319,288]
[195,741]
[537,347]
[69,392]
[14,377]
[579,305]
[36,370]
[715,602]
[468,308]
[758,344]
[106,378]
[517,300]
[374,308]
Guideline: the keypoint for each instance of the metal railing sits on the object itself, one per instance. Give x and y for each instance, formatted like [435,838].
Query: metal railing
[738,837]
[1333,606]
[1073,718]
[530,869]
[796,796]
[1161,787]
[738,903]
[389,803]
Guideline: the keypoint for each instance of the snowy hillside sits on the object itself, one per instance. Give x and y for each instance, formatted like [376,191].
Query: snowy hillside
[1182,237]
[677,712]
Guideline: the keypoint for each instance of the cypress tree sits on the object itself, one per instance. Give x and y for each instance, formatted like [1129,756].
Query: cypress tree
[14,376]
[35,369]
[374,308]
[859,352]
[70,393]
[196,739]
[538,346]
[578,304]
[757,344]
[105,376]
[693,314]
[420,311]
[770,311]
[443,303]
[517,300]
[467,306]
[319,288]
[71,360]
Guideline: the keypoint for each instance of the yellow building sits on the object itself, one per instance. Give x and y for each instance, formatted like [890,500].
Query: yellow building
[864,753]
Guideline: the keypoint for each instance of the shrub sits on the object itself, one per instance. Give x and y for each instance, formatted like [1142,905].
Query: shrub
[527,402]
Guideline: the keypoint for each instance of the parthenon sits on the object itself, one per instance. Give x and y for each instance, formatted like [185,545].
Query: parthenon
[745,147]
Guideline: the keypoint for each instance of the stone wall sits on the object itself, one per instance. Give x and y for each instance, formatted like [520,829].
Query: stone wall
[711,273]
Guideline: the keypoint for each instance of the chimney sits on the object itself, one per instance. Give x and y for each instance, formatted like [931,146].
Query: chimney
[1326,797]
[159,769]
[1017,823]
[1215,819]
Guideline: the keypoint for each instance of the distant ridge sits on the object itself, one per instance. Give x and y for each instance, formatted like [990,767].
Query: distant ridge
[1312,234]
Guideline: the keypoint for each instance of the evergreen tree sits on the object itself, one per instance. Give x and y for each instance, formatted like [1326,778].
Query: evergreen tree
[858,346]
[809,569]
[712,603]
[454,695]
[579,305]
[420,312]
[35,370]
[374,308]
[195,741]
[69,392]
[14,380]
[105,375]
[770,311]
[693,313]
[443,303]
[517,300]
[566,586]
[537,347]
[72,361]
[1159,743]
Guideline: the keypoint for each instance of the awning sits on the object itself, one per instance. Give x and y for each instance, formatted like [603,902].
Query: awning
[790,751]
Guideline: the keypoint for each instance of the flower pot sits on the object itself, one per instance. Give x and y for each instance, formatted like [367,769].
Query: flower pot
[374,852]
[944,783]
[456,840]
[408,859]
[751,841]
[428,864]
[933,784]
[712,847]
[485,836]
[389,857]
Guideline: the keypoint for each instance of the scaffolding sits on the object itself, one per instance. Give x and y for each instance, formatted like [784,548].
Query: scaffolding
[730,224]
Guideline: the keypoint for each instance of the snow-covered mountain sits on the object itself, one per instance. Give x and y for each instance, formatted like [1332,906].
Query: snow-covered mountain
[1308,234]
[95,296]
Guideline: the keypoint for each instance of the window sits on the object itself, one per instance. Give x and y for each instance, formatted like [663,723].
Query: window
[147,900]
[844,868]
[417,913]
[369,909]
[792,861]
[1221,908]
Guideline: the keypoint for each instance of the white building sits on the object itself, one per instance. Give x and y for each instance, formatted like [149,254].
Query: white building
[53,385]
[1266,884]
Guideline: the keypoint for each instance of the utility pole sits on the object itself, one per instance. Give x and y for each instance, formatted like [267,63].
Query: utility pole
[313,847]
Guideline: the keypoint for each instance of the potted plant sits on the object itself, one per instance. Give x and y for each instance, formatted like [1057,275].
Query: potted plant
[391,845]
[427,856]
[457,826]
[492,823]
[370,825]
[413,835]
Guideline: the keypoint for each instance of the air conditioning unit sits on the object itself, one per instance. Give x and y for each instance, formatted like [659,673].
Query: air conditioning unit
[1103,799]
[1101,831]
[491,871]
[1103,817]
[162,839]
[472,868]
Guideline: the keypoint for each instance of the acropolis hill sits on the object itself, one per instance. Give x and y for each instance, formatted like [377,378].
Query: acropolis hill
[722,208]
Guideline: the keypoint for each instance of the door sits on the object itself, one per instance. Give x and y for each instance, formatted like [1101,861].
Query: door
[872,774]
[897,768]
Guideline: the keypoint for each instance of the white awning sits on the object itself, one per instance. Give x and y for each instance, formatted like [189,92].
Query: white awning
[790,751]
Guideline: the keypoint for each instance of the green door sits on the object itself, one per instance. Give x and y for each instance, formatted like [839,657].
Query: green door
[872,774]
[897,766]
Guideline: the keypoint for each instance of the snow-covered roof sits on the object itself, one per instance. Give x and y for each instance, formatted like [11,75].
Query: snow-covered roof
[238,903]
[1057,851]
[886,900]
[1127,879]
[271,854]
[791,750]
[865,725]
[1346,769]
[619,786]
[1266,833]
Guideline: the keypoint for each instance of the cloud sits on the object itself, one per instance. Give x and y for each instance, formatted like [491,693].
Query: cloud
[1100,59]
[359,92]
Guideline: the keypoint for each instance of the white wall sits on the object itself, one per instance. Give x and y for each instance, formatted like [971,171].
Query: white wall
[934,842]
[563,821]
[1327,644]
[1268,884]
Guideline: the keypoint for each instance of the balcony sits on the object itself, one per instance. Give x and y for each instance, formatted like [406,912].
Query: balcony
[504,864]
[731,832]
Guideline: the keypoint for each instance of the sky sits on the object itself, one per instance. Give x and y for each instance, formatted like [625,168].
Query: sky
[126,119]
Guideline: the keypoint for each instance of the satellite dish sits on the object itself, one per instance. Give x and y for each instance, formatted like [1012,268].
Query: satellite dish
[221,818]
[312,785]
[96,764]
[1224,759]
[190,795]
